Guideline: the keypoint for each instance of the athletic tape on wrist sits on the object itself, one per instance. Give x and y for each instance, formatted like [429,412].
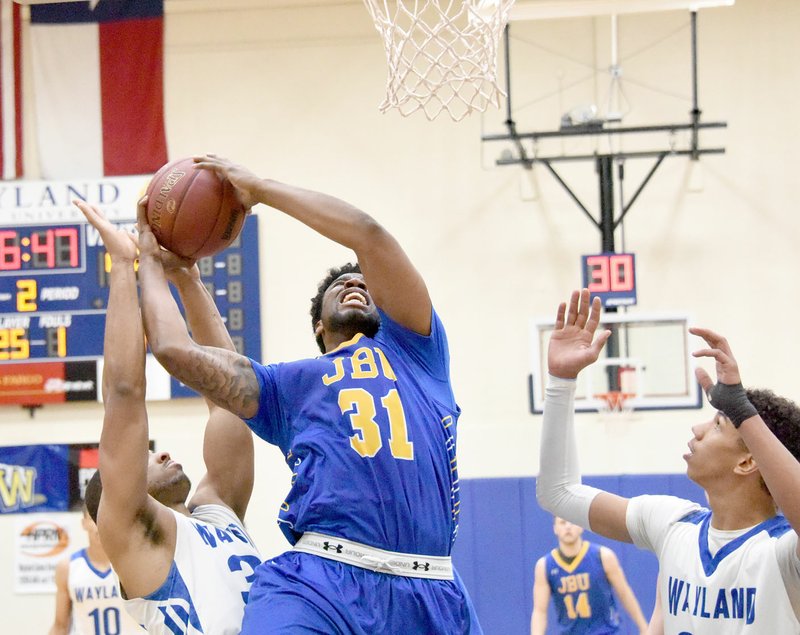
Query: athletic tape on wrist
[732,400]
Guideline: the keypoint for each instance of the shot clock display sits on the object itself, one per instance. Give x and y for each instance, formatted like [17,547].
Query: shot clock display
[54,292]
[611,277]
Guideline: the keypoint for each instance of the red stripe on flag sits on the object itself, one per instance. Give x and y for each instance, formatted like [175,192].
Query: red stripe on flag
[17,19]
[11,164]
[132,96]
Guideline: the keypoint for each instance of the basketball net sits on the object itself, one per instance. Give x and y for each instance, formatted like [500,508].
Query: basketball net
[614,401]
[442,54]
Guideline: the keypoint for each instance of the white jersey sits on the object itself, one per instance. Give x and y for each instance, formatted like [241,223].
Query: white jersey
[97,608]
[207,586]
[719,582]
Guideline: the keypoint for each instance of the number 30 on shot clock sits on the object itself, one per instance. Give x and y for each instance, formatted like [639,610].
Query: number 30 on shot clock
[611,277]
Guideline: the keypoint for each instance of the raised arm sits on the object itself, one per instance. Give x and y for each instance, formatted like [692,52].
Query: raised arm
[392,280]
[779,469]
[620,584]
[228,442]
[127,514]
[559,490]
[541,599]
[221,375]
[63,616]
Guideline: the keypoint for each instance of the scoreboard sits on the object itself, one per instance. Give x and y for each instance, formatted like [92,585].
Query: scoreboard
[54,279]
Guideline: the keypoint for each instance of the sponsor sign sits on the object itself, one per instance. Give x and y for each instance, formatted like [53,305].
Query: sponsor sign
[41,540]
[48,382]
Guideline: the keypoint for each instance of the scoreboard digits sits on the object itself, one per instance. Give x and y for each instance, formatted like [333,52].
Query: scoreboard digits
[54,291]
[14,344]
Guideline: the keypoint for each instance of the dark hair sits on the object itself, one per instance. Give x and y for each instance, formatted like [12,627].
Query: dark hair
[322,287]
[781,415]
[94,489]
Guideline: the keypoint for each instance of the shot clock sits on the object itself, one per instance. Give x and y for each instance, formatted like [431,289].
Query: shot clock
[54,294]
[611,277]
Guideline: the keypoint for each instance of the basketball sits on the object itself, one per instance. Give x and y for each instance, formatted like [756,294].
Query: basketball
[192,212]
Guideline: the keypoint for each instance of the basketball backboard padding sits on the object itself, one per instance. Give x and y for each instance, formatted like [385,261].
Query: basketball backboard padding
[649,359]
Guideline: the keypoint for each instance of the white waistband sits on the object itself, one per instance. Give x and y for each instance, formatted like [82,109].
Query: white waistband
[349,552]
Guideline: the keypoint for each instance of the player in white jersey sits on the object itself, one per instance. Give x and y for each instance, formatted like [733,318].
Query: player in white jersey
[213,558]
[87,592]
[731,569]
[185,567]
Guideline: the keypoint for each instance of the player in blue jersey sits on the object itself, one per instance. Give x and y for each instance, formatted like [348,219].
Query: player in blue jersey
[368,430]
[731,569]
[184,567]
[581,577]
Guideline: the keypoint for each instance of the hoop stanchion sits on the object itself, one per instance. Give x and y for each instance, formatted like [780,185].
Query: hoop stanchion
[442,54]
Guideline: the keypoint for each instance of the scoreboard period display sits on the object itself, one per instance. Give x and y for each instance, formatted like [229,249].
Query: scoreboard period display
[54,280]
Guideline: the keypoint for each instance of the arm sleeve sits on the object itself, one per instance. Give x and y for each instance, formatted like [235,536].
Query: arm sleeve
[558,487]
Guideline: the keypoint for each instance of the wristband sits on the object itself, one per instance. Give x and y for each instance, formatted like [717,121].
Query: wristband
[732,400]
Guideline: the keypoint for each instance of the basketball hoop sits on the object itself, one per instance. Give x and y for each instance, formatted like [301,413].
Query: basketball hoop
[442,54]
[614,401]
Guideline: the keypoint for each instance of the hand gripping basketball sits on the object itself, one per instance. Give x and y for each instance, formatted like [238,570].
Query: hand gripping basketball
[193,212]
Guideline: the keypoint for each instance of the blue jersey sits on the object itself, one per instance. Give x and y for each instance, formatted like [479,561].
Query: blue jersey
[581,592]
[369,432]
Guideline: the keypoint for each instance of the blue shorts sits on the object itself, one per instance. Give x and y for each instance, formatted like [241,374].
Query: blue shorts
[300,593]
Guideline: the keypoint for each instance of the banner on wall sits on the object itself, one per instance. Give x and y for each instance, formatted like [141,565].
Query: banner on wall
[43,478]
[41,540]
[34,478]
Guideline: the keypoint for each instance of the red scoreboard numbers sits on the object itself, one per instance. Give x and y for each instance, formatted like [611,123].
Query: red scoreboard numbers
[612,277]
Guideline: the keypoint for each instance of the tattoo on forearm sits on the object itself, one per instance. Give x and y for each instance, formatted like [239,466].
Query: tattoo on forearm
[224,377]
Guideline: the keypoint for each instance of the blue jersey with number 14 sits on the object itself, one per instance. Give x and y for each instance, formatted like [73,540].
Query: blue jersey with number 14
[369,432]
[582,593]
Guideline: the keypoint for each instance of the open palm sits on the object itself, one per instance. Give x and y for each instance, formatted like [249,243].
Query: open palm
[573,345]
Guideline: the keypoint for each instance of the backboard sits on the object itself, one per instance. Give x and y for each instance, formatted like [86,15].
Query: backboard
[647,359]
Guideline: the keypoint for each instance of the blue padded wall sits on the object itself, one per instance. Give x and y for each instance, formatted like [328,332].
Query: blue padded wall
[502,532]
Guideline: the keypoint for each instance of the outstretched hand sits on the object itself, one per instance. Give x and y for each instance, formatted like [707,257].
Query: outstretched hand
[243,180]
[573,345]
[728,394]
[726,367]
[119,243]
